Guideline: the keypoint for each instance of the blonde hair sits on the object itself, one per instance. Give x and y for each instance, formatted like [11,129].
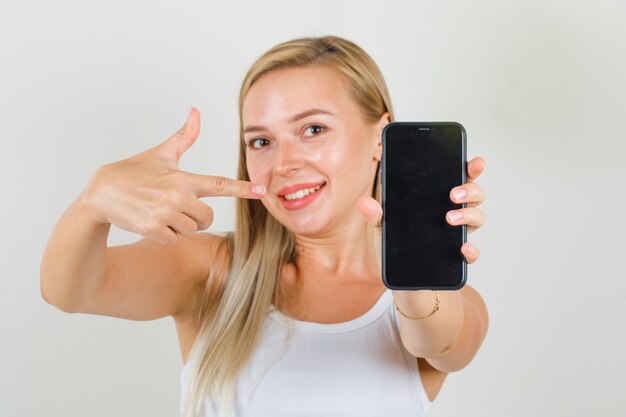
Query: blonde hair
[232,312]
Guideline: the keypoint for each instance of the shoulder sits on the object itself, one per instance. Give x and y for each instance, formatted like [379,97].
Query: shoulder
[211,250]
[207,238]
[210,253]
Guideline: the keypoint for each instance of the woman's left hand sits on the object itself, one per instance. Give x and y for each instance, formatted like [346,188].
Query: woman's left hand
[472,194]
[471,216]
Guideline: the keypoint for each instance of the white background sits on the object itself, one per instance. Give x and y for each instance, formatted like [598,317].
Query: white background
[537,84]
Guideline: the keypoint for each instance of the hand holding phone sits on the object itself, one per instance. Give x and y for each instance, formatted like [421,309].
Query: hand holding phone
[421,163]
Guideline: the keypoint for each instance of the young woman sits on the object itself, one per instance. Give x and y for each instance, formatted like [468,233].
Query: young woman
[288,314]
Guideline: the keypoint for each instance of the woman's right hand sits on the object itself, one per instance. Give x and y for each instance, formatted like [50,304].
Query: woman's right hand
[149,195]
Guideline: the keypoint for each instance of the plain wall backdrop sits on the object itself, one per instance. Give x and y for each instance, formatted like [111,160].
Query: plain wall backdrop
[537,84]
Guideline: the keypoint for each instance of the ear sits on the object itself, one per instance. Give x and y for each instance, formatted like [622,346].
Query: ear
[384,120]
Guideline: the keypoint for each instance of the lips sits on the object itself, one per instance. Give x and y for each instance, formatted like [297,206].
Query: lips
[302,200]
[294,188]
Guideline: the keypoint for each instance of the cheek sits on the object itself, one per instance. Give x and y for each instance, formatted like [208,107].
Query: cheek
[258,170]
[338,154]
[353,161]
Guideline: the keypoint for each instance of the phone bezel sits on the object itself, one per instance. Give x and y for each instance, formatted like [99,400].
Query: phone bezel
[463,278]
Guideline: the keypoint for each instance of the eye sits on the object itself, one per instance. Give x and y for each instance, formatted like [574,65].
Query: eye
[257,143]
[314,129]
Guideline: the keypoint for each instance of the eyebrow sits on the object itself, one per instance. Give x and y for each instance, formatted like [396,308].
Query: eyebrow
[299,116]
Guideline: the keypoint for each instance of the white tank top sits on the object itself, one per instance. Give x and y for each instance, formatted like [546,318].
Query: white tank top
[354,368]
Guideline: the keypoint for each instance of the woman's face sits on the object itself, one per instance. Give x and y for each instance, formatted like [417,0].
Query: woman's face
[307,141]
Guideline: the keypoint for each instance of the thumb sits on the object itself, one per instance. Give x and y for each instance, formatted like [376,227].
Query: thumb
[370,209]
[174,147]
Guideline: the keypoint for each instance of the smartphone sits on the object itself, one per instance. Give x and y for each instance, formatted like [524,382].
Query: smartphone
[421,163]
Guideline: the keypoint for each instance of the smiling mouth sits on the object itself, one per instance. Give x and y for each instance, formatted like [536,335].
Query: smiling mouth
[302,193]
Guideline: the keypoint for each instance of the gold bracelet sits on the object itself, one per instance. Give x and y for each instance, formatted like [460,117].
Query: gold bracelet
[435,309]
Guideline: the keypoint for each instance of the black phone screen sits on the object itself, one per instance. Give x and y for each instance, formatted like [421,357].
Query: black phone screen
[421,164]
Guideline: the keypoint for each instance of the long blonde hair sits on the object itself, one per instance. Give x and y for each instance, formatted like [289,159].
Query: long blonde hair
[233,311]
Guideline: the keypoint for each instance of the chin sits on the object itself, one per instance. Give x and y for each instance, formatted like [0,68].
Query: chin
[310,225]
[299,222]
[304,226]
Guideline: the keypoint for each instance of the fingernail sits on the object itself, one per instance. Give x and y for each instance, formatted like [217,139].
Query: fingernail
[459,193]
[258,189]
[455,216]
[470,250]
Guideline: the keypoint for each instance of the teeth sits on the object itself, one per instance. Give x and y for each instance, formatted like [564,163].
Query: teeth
[301,193]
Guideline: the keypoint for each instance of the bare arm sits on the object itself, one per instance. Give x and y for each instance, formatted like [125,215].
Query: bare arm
[450,338]
[147,194]
[74,262]
[142,281]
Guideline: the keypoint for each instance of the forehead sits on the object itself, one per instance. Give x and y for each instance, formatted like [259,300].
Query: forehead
[281,93]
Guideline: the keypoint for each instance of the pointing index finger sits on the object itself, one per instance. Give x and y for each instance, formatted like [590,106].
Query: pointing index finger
[218,186]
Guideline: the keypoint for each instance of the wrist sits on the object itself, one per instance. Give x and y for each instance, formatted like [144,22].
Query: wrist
[87,204]
[86,212]
[417,305]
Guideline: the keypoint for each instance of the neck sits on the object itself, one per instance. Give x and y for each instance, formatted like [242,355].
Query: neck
[345,254]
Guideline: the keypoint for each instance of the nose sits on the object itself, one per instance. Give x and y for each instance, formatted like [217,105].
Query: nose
[288,158]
